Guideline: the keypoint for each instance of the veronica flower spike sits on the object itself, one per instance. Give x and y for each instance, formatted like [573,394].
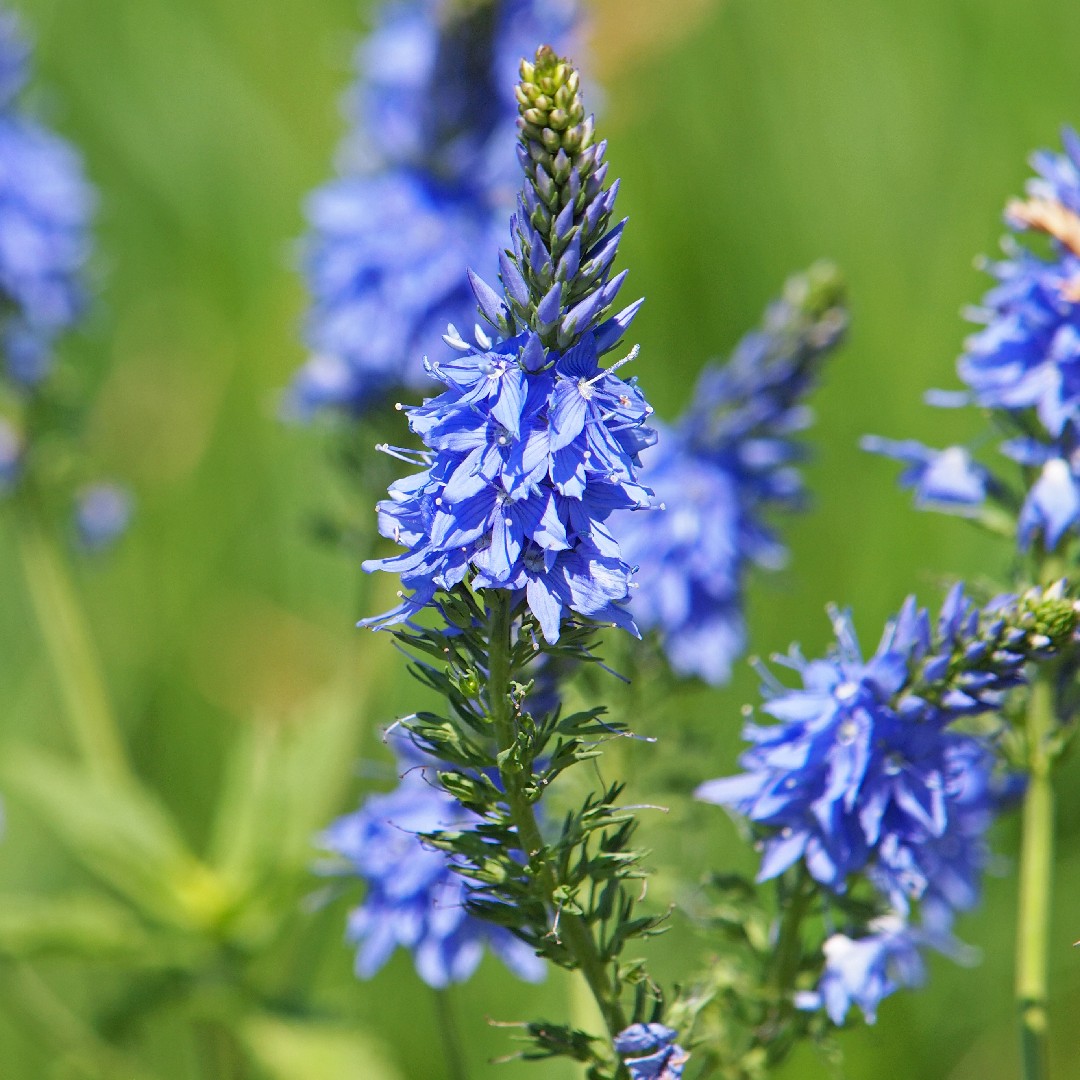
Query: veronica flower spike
[724,465]
[427,179]
[868,777]
[1021,368]
[46,204]
[45,207]
[511,545]
[1021,365]
[533,445]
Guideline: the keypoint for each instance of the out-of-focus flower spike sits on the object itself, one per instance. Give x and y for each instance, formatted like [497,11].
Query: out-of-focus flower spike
[729,459]
[426,182]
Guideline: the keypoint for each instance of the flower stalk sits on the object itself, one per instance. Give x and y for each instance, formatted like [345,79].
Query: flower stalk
[1036,876]
[513,773]
[74,659]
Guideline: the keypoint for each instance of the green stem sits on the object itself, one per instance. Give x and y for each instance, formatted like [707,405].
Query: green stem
[71,651]
[572,929]
[449,1036]
[1036,871]
[794,902]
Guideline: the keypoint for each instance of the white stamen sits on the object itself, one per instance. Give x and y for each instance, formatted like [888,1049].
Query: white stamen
[631,355]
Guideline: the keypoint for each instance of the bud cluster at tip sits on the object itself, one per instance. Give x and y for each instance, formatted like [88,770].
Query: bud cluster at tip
[552,113]
[980,655]
[557,277]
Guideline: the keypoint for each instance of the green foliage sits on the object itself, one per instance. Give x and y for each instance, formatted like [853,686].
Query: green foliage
[569,888]
[886,136]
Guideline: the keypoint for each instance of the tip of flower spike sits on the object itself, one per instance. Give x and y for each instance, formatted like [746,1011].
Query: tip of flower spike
[552,113]
[820,294]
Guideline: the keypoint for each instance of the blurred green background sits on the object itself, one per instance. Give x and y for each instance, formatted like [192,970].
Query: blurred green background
[752,136]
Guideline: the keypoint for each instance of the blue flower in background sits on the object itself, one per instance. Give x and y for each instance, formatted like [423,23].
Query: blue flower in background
[414,898]
[731,458]
[428,176]
[864,971]
[1025,365]
[45,207]
[1028,355]
[947,479]
[102,514]
[650,1052]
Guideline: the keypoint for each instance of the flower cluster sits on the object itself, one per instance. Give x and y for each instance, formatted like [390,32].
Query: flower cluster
[45,205]
[863,766]
[731,457]
[533,445]
[866,774]
[651,1053]
[415,899]
[428,177]
[1025,365]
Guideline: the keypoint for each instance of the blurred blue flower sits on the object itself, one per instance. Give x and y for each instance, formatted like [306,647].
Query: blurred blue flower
[45,207]
[941,479]
[656,1055]
[533,445]
[864,971]
[731,457]
[862,773]
[11,453]
[102,514]
[1028,355]
[414,898]
[1052,505]
[428,176]
[1024,364]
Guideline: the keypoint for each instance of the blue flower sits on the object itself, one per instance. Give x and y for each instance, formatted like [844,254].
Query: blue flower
[863,773]
[656,1055]
[947,479]
[102,514]
[1025,364]
[45,206]
[415,899]
[864,971]
[942,872]
[533,445]
[1028,355]
[731,457]
[1052,506]
[428,178]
